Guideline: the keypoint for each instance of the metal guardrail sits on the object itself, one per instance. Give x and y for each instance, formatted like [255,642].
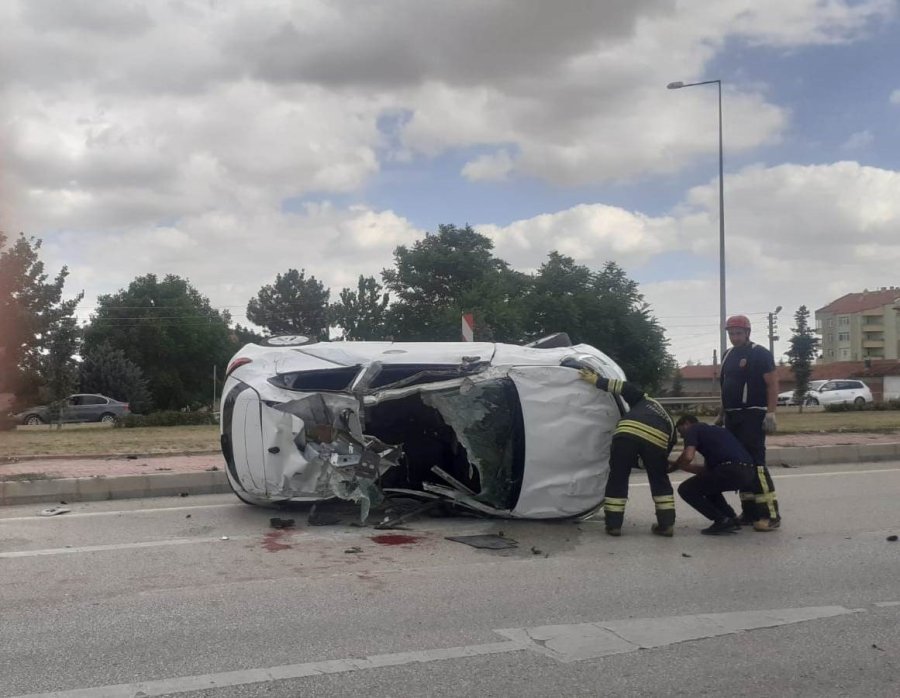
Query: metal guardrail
[688,400]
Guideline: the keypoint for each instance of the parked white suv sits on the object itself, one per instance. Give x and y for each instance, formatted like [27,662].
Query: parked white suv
[788,397]
[840,391]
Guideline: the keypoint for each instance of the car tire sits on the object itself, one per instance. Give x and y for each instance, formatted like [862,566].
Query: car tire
[860,401]
[107,418]
[287,340]
[32,420]
[812,402]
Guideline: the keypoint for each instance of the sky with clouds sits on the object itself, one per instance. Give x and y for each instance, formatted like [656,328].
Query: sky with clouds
[227,141]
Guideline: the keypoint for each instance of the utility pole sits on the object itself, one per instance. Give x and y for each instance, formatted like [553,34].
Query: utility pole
[773,319]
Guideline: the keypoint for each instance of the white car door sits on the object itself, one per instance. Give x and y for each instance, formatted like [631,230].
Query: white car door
[568,433]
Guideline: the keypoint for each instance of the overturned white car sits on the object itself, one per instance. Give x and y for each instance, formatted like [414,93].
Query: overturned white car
[502,429]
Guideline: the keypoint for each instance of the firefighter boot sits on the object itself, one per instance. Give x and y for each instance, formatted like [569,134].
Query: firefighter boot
[614,514]
[665,516]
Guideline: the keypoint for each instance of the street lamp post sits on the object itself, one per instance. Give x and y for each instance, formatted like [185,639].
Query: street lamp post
[722,334]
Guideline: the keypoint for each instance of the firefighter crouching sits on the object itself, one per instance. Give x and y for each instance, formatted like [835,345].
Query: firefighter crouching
[645,433]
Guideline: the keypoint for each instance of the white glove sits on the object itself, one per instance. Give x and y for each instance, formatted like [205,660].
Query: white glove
[770,426]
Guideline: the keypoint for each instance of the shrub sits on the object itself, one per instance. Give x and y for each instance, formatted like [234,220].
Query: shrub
[872,406]
[7,423]
[171,418]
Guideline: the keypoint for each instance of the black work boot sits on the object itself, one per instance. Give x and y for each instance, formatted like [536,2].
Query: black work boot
[664,531]
[665,523]
[723,527]
[614,521]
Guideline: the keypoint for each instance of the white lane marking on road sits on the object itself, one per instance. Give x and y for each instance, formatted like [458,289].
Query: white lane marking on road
[885,604]
[120,546]
[564,643]
[789,475]
[842,472]
[129,512]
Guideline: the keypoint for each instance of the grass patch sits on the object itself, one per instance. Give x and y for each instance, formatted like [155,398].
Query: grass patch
[20,477]
[815,419]
[50,441]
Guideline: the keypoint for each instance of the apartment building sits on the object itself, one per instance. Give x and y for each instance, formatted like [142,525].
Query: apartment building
[860,326]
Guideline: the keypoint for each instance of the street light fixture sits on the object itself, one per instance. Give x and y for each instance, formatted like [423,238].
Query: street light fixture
[677,86]
[773,318]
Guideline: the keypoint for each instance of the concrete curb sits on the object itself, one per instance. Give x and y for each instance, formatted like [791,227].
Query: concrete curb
[92,489]
[87,489]
[827,455]
[108,456]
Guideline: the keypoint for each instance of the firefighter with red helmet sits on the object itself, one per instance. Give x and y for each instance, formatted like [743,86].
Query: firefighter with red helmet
[749,384]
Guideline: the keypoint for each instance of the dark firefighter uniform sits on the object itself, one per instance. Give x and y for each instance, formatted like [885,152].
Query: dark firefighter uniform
[744,409]
[647,433]
[728,467]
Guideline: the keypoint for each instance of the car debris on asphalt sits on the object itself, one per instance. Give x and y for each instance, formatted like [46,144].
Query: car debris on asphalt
[54,511]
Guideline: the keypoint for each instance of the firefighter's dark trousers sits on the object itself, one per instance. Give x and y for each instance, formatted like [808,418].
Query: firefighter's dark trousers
[704,491]
[747,427]
[624,456]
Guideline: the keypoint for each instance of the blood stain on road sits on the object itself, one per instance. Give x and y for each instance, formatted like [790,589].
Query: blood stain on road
[272,541]
[395,539]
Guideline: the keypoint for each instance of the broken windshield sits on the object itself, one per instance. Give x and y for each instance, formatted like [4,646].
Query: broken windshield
[487,419]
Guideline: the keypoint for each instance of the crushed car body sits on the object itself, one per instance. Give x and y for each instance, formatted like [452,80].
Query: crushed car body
[502,429]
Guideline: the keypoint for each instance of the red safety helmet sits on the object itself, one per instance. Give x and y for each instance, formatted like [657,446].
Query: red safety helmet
[741,321]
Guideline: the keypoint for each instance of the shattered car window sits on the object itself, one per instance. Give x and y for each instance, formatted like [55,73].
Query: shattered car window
[487,420]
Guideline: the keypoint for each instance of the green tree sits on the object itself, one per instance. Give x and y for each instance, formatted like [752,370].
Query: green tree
[604,309]
[444,275]
[170,331]
[57,366]
[37,326]
[294,304]
[244,335]
[108,371]
[803,347]
[677,384]
[361,314]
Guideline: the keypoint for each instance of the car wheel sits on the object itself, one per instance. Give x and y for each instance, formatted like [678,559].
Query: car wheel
[812,401]
[107,418]
[33,420]
[860,401]
[286,340]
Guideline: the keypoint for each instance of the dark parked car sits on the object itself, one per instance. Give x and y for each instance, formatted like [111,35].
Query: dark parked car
[83,407]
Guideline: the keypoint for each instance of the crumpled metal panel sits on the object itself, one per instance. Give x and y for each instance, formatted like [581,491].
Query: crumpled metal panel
[315,448]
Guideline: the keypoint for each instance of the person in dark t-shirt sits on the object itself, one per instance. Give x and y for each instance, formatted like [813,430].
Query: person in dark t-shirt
[727,467]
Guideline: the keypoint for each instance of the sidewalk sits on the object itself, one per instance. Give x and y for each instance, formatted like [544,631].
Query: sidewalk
[121,477]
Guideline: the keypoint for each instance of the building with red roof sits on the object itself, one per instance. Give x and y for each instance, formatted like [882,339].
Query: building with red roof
[860,326]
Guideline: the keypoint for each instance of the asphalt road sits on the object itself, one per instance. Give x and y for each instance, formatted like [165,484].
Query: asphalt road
[145,597]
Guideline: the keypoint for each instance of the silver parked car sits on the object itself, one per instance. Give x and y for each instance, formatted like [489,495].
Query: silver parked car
[503,429]
[83,407]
